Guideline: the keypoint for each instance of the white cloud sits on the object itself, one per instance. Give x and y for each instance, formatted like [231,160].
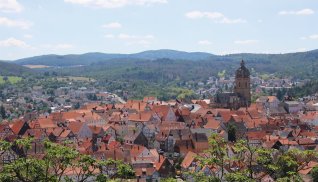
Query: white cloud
[13,42]
[112,25]
[301,50]
[217,17]
[299,12]
[245,42]
[15,23]
[114,3]
[312,37]
[8,6]
[315,36]
[204,42]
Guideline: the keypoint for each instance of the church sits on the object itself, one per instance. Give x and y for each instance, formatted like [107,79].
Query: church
[241,97]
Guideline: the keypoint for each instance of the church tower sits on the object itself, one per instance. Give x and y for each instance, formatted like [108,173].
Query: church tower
[242,84]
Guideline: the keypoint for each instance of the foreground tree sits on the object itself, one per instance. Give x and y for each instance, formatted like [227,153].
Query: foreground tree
[217,152]
[57,161]
[314,174]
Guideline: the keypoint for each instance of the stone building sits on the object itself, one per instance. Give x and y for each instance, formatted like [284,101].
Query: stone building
[241,97]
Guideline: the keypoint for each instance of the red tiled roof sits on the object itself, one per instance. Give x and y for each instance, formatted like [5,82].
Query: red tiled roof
[75,127]
[46,123]
[16,126]
[140,117]
[255,135]
[188,159]
[212,123]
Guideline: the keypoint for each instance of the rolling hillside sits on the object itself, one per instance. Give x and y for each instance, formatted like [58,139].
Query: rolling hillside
[89,58]
[11,69]
[270,63]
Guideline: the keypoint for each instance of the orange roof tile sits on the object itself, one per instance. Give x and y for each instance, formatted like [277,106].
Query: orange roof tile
[188,159]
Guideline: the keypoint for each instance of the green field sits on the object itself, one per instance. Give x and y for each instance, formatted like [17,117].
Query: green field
[11,79]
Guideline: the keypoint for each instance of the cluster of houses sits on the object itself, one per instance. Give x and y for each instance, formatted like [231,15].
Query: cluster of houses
[19,100]
[215,84]
[153,135]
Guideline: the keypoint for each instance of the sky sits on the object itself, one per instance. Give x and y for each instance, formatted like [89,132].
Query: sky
[37,27]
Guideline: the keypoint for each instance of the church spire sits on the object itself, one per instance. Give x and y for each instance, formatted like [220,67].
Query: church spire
[242,63]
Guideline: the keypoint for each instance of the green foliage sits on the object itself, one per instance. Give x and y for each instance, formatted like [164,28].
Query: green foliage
[125,171]
[221,74]
[309,88]
[231,133]
[11,69]
[168,180]
[217,152]
[238,177]
[3,114]
[10,79]
[58,159]
[314,174]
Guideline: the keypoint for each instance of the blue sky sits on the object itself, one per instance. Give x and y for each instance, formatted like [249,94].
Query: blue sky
[30,28]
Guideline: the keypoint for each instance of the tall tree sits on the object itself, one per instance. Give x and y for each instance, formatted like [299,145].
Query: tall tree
[232,133]
[3,113]
[217,152]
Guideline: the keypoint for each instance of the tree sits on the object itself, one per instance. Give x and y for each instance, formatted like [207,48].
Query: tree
[314,174]
[57,160]
[217,152]
[246,153]
[200,176]
[84,168]
[5,79]
[125,171]
[232,132]
[3,113]
[168,180]
[77,105]
[239,176]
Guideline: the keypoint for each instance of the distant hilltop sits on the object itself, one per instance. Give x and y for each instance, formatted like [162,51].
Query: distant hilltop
[95,57]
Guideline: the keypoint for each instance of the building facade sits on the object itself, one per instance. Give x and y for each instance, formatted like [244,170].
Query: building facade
[241,97]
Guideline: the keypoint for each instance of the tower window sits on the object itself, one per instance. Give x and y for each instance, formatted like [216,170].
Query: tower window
[239,84]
